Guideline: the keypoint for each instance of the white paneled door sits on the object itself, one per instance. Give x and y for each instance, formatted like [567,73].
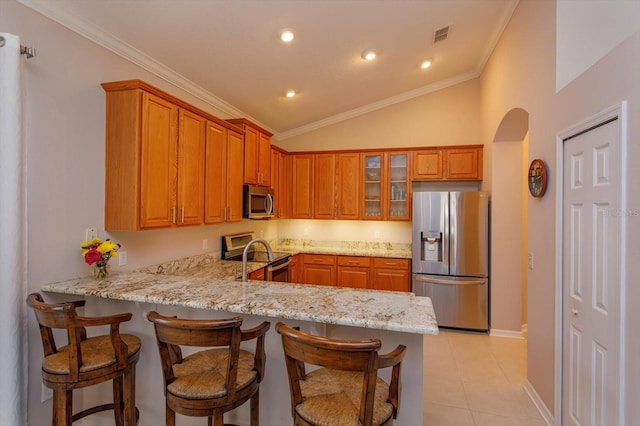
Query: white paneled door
[592,228]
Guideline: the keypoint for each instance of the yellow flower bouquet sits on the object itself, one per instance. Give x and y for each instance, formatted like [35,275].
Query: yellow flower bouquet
[97,253]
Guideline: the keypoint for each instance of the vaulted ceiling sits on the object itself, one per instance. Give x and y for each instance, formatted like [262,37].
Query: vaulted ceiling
[229,53]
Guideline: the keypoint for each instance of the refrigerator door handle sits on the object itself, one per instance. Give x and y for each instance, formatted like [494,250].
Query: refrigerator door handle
[448,282]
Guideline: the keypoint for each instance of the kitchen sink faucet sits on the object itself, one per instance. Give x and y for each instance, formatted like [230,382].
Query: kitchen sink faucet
[246,250]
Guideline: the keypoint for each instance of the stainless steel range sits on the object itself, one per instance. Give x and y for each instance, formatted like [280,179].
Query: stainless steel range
[277,269]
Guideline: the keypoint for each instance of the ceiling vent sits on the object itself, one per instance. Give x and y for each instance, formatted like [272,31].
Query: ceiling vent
[441,34]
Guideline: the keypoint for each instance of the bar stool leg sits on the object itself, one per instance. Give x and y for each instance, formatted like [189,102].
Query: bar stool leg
[118,412]
[171,416]
[255,409]
[130,410]
[62,407]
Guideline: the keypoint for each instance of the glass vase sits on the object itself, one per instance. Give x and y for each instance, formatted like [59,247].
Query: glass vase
[100,271]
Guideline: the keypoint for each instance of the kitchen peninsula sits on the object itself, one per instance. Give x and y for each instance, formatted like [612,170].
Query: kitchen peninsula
[204,287]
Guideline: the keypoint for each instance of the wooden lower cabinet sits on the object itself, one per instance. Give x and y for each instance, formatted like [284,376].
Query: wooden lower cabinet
[391,274]
[258,274]
[377,273]
[295,269]
[319,269]
[353,271]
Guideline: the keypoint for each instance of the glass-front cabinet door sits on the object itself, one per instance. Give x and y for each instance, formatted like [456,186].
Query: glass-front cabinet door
[373,187]
[398,187]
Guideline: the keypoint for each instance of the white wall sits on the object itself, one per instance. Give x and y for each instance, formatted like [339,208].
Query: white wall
[521,74]
[506,236]
[588,30]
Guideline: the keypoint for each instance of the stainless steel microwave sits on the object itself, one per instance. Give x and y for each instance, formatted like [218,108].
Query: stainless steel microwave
[257,202]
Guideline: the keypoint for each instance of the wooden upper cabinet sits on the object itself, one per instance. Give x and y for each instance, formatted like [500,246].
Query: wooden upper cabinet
[251,153]
[275,181]
[398,190]
[156,156]
[454,163]
[257,152]
[324,186]
[216,173]
[235,177]
[336,186]
[464,164]
[348,168]
[372,198]
[191,156]
[158,166]
[284,186]
[301,186]
[279,183]
[264,159]
[223,175]
[427,164]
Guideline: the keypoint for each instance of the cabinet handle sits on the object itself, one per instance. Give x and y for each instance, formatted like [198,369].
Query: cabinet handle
[182,214]
[173,214]
[224,214]
[230,213]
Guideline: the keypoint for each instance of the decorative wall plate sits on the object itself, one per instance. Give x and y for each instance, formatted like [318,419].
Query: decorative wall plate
[537,178]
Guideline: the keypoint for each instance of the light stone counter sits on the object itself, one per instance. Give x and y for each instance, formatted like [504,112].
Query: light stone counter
[204,287]
[211,285]
[343,248]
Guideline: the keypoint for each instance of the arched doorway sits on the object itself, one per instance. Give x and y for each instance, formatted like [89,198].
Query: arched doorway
[509,230]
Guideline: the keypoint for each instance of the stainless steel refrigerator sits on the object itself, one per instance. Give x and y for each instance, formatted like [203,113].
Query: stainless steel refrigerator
[451,256]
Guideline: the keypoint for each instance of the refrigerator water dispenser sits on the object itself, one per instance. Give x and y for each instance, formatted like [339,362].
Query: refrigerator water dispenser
[431,246]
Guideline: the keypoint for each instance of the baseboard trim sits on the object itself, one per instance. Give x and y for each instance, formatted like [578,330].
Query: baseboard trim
[540,405]
[506,333]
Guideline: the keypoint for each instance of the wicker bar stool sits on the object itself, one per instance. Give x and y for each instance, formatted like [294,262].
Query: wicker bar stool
[212,381]
[346,391]
[86,361]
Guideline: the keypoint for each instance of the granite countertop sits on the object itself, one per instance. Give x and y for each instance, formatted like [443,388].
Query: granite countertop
[204,282]
[343,248]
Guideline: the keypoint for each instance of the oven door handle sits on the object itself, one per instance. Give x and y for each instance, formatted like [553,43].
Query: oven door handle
[278,267]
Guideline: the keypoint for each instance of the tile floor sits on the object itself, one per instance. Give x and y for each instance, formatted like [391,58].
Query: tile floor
[476,380]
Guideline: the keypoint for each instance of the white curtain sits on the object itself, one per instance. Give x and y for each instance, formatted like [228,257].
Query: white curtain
[13,336]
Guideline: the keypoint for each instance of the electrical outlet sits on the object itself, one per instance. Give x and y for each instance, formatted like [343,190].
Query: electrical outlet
[530,260]
[46,394]
[306,231]
[90,233]
[122,258]
[205,244]
[376,235]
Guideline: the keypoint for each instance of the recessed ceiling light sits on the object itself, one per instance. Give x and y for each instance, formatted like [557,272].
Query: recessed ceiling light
[369,55]
[290,93]
[426,64]
[287,36]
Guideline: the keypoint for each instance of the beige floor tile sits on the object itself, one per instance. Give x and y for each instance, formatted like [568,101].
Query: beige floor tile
[444,415]
[474,379]
[444,390]
[508,400]
[489,419]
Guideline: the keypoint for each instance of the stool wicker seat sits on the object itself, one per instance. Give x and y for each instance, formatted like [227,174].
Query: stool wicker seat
[209,382]
[346,391]
[86,361]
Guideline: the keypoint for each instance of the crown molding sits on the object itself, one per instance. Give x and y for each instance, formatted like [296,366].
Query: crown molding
[496,35]
[443,84]
[131,54]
